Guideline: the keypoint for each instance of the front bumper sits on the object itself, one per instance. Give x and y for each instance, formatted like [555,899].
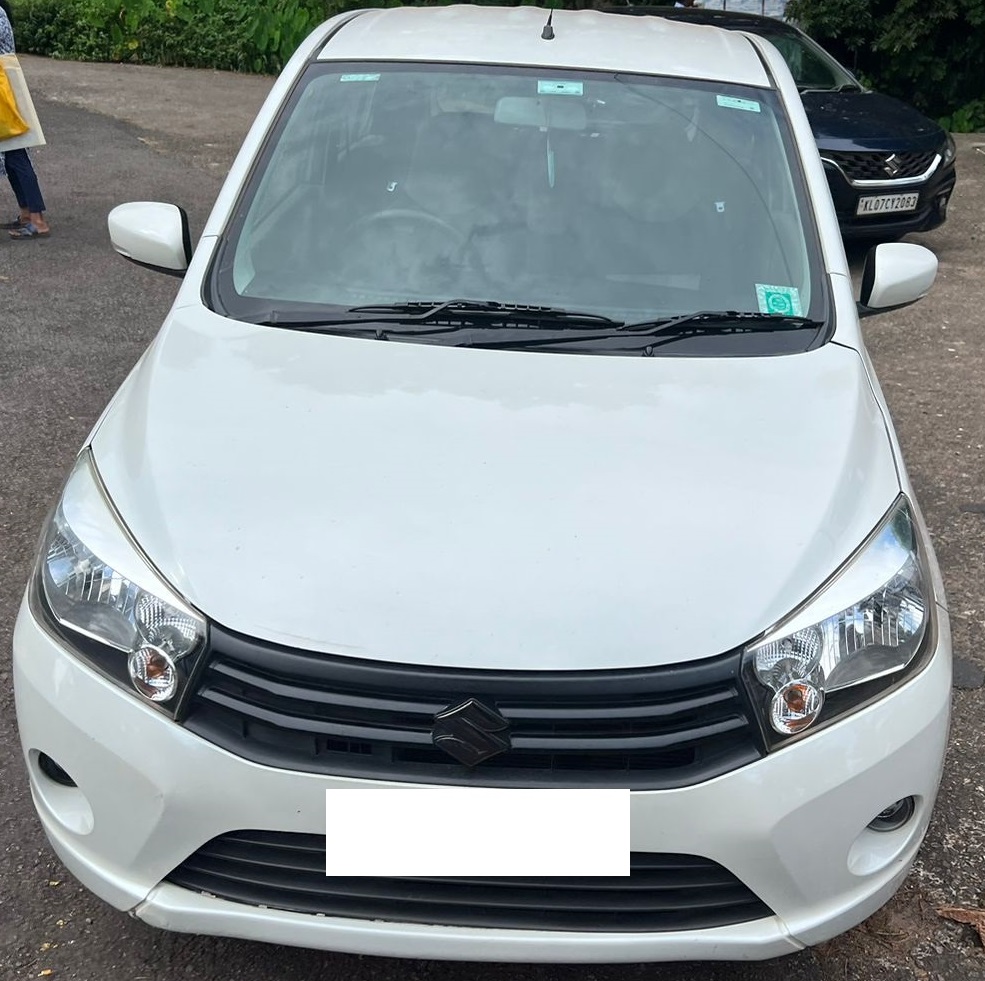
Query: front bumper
[931,210]
[792,826]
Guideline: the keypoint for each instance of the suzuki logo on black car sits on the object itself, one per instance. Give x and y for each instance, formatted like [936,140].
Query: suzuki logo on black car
[892,165]
[471,732]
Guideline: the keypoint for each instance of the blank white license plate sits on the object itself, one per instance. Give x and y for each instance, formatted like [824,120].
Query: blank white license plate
[477,831]
[884,203]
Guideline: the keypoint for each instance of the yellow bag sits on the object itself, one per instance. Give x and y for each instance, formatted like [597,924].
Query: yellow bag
[11,123]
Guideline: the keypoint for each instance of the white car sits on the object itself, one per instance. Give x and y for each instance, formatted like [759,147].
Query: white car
[512,428]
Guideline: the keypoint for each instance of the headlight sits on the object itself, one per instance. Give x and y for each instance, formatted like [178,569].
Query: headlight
[108,602]
[856,637]
[950,150]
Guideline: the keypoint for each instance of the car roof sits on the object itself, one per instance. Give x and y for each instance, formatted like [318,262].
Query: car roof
[582,39]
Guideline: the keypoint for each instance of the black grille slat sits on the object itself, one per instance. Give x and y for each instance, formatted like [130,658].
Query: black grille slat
[630,742]
[636,728]
[470,893]
[334,698]
[283,870]
[859,165]
[324,726]
[353,674]
[563,713]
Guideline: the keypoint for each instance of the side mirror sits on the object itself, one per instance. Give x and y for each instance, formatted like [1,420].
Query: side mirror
[895,275]
[152,234]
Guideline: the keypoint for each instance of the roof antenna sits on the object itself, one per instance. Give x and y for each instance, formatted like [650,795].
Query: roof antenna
[548,32]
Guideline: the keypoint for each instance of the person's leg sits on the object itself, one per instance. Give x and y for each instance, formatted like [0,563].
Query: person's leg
[24,183]
[15,185]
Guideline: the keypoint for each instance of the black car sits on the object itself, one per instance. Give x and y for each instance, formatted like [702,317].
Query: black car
[890,168]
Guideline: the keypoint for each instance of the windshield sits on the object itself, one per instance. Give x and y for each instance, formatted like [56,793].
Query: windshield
[627,197]
[811,66]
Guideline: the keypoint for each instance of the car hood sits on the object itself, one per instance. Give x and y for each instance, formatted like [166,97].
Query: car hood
[869,121]
[455,507]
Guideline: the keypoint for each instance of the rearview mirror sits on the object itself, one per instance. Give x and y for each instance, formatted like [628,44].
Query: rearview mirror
[152,234]
[556,113]
[895,275]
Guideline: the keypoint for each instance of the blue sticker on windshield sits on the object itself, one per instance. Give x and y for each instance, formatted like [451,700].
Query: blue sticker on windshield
[560,88]
[360,78]
[784,301]
[732,103]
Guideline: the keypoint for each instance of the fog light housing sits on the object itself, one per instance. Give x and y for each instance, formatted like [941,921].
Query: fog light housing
[54,772]
[153,673]
[893,818]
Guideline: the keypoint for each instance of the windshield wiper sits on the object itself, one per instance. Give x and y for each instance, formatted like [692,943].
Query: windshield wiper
[844,87]
[702,322]
[454,313]
[425,310]
[716,321]
[535,326]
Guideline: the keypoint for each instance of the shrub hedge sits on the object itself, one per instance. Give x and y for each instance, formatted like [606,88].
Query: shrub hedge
[225,34]
[238,35]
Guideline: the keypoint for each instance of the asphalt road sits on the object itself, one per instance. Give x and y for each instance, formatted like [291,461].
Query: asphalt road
[74,318]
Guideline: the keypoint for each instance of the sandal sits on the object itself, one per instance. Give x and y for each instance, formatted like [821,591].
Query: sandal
[30,230]
[16,223]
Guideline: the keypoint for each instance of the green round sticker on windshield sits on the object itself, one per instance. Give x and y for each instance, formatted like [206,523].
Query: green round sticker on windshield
[783,301]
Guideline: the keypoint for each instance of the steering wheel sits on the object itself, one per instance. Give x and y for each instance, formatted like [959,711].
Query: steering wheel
[456,240]
[408,215]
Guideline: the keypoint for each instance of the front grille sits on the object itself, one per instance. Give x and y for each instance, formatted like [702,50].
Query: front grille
[653,728]
[280,870]
[869,166]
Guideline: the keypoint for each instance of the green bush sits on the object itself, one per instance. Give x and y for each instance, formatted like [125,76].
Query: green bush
[928,52]
[240,35]
[60,29]
[225,34]
[969,118]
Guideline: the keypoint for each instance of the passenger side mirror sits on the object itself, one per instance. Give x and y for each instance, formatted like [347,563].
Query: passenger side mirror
[152,234]
[895,275]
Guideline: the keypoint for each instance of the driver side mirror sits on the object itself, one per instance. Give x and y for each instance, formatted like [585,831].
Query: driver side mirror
[153,235]
[895,275]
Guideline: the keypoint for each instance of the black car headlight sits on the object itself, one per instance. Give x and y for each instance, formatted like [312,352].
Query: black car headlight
[950,151]
[861,634]
[107,602]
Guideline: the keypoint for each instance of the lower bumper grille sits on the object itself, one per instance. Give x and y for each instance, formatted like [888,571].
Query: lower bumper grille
[281,870]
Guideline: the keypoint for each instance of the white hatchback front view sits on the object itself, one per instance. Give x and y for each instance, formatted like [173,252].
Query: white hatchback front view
[512,428]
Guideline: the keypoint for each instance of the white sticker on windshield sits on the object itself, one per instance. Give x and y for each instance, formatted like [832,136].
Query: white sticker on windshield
[360,78]
[729,102]
[560,88]
[784,301]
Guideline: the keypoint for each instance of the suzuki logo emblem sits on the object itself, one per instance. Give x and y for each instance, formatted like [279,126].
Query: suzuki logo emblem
[471,732]
[892,165]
